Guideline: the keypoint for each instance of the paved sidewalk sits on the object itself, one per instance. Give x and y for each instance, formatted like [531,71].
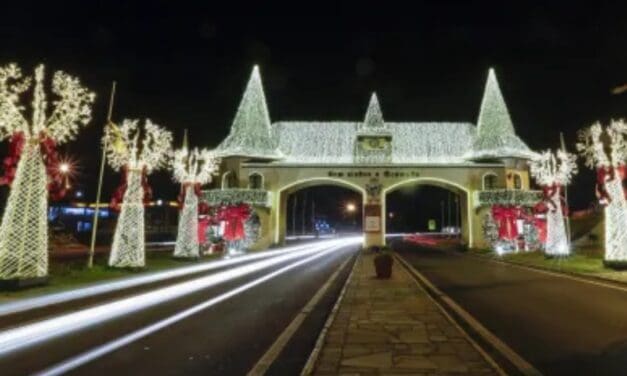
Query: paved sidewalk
[387,327]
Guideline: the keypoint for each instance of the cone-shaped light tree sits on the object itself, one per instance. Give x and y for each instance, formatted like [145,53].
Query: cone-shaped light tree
[191,169]
[552,172]
[606,150]
[136,161]
[31,169]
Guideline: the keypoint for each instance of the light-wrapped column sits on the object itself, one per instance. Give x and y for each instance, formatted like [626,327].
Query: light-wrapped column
[187,237]
[616,223]
[24,228]
[556,241]
[128,249]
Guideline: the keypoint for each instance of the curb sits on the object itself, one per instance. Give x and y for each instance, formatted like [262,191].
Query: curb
[315,353]
[514,361]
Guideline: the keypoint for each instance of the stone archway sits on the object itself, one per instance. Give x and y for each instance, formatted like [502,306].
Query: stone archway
[463,192]
[279,217]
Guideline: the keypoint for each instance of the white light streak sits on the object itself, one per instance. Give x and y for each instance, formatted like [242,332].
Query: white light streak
[102,350]
[107,287]
[28,335]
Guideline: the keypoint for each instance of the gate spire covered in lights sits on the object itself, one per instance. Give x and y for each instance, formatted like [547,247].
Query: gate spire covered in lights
[373,122]
[496,137]
[251,132]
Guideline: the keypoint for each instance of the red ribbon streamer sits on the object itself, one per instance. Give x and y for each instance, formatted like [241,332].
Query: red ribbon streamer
[118,195]
[48,148]
[56,187]
[16,145]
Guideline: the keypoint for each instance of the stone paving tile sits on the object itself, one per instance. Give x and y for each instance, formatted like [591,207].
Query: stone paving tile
[391,327]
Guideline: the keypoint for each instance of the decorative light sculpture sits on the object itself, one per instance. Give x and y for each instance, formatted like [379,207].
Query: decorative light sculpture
[192,169]
[553,171]
[30,169]
[136,162]
[606,150]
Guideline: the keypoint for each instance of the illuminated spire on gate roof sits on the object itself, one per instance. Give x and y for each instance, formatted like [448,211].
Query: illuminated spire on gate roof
[251,132]
[496,137]
[373,121]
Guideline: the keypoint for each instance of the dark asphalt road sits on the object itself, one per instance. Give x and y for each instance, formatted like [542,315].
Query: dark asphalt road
[560,325]
[225,339]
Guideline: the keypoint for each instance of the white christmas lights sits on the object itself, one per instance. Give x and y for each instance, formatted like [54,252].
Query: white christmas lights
[251,132]
[252,135]
[191,168]
[495,130]
[24,227]
[554,171]
[124,150]
[594,144]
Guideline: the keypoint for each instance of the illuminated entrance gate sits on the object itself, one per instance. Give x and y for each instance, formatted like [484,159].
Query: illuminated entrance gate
[263,162]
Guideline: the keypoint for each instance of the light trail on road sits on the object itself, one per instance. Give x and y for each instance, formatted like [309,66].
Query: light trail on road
[40,331]
[111,346]
[107,287]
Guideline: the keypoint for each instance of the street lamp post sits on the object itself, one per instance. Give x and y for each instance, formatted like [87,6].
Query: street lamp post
[94,228]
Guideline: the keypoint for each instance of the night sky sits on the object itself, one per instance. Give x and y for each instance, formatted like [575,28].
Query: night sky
[185,65]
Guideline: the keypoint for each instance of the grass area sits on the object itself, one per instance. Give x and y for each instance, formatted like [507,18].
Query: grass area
[71,274]
[586,261]
[580,262]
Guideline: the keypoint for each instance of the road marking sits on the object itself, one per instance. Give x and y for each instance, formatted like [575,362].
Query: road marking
[126,283]
[264,363]
[516,360]
[99,351]
[315,353]
[27,335]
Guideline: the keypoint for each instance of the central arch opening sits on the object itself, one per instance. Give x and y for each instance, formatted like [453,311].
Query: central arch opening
[428,209]
[423,208]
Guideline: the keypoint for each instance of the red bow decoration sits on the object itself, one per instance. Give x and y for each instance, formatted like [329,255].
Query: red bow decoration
[118,194]
[505,217]
[10,162]
[184,186]
[234,217]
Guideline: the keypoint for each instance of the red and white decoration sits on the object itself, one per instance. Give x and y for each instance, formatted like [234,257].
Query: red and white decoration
[31,168]
[553,171]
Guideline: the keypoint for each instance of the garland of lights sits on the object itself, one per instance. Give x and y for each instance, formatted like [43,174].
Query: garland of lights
[507,197]
[191,169]
[610,165]
[234,196]
[24,227]
[125,152]
[252,135]
[553,171]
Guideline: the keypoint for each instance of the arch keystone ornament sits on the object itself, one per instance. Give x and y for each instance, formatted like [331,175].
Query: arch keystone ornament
[605,148]
[136,161]
[31,169]
[192,169]
[554,171]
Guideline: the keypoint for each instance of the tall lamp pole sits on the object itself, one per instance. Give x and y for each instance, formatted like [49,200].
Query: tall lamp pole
[94,229]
